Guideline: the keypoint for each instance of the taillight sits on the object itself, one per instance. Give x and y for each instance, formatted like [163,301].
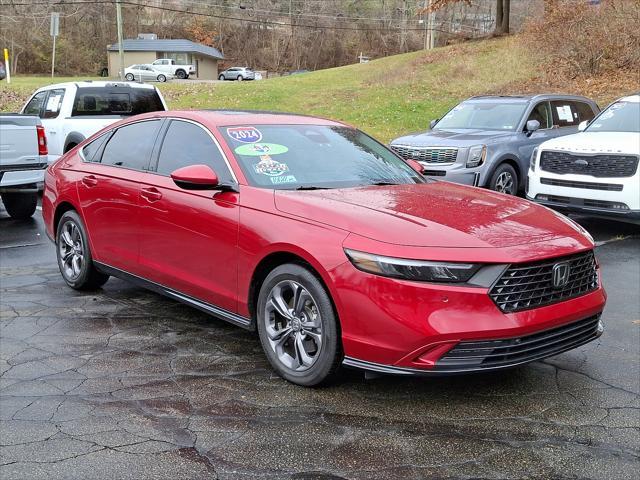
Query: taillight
[42,141]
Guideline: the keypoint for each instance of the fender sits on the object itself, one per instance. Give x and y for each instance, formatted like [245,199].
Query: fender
[511,159]
[74,138]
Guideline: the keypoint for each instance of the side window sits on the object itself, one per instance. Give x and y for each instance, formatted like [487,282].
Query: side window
[585,112]
[187,144]
[35,104]
[130,146]
[542,114]
[54,102]
[89,151]
[564,114]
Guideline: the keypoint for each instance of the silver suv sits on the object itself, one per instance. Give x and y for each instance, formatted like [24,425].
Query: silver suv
[488,140]
[237,73]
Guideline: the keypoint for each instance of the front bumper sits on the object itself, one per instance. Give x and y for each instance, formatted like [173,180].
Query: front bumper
[410,328]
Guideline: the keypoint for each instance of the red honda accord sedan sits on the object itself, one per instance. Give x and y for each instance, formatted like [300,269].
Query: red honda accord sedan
[324,241]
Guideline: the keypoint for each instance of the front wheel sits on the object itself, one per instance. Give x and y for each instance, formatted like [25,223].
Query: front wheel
[129,77]
[298,327]
[20,206]
[504,180]
[74,255]
[162,78]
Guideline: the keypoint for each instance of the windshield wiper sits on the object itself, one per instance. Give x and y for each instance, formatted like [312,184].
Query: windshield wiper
[381,184]
[311,187]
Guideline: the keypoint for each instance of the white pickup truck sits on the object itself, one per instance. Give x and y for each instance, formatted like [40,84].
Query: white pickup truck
[72,112]
[170,66]
[23,158]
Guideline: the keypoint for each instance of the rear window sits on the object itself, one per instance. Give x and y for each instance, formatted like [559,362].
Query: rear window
[122,101]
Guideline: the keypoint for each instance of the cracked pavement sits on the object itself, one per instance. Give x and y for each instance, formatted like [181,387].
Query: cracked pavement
[122,383]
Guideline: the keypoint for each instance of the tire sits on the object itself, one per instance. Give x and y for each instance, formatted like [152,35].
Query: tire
[181,74]
[69,147]
[129,77]
[72,242]
[20,206]
[221,78]
[240,78]
[504,180]
[162,78]
[312,330]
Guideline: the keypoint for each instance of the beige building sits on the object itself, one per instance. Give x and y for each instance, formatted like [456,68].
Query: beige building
[185,52]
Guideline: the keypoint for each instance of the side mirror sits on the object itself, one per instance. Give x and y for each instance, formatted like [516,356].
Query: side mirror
[433,123]
[195,177]
[417,166]
[583,125]
[532,126]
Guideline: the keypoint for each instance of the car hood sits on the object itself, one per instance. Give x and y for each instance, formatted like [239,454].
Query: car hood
[453,138]
[597,142]
[437,214]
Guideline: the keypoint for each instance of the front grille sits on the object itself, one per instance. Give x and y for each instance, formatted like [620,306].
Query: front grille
[435,173]
[522,287]
[583,202]
[611,187]
[595,165]
[427,154]
[488,354]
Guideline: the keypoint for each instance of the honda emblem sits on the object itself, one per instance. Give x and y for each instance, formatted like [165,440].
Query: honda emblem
[560,274]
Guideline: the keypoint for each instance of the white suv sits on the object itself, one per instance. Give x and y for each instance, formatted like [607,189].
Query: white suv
[595,171]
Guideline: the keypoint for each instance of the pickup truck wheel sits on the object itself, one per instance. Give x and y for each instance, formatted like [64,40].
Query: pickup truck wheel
[74,255]
[129,77]
[181,74]
[20,206]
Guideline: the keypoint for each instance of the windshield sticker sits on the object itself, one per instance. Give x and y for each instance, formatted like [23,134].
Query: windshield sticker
[564,113]
[268,166]
[245,134]
[259,149]
[285,179]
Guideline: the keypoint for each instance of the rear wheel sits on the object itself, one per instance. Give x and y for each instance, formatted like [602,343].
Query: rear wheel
[298,327]
[240,78]
[504,180]
[74,255]
[20,206]
[129,77]
[181,74]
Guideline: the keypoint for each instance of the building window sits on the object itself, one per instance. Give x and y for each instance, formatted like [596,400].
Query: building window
[181,58]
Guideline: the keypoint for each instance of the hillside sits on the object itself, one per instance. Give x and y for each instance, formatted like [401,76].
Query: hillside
[386,97]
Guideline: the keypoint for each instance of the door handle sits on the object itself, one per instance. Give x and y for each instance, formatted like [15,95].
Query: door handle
[151,194]
[90,181]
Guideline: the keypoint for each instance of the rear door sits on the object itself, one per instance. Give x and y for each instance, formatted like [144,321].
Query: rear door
[189,238]
[109,192]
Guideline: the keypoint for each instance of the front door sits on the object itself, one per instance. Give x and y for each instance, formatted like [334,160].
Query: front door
[189,238]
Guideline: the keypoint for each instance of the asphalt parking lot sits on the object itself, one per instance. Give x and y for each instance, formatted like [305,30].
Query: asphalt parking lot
[123,383]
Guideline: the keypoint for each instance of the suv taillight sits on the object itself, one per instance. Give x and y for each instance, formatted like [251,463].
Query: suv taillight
[42,141]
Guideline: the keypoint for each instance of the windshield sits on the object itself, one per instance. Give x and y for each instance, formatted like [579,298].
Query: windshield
[483,115]
[314,156]
[619,117]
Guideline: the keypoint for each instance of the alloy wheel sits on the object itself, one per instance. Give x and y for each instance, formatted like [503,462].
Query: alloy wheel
[293,325]
[71,249]
[505,183]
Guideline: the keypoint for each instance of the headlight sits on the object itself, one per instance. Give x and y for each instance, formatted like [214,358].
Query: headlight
[476,157]
[416,270]
[532,161]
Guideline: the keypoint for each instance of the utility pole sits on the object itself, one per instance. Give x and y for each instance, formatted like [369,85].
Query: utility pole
[120,46]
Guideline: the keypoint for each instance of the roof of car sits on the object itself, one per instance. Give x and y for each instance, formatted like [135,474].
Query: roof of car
[220,118]
[96,84]
[631,98]
[527,98]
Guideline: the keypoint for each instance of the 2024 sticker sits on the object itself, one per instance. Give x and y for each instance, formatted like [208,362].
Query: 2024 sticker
[245,134]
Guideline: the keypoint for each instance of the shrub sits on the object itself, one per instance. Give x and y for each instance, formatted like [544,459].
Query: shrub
[578,39]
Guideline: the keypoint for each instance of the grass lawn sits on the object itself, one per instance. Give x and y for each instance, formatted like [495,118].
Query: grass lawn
[386,97]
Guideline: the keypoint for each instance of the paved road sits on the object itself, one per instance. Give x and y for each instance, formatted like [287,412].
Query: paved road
[122,383]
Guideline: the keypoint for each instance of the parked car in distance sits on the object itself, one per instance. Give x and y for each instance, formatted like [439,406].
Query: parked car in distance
[595,171]
[3,71]
[145,73]
[71,112]
[487,141]
[237,73]
[324,241]
[23,158]
[171,67]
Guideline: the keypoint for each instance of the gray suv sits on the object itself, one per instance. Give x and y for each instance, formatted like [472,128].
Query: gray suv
[237,73]
[488,140]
